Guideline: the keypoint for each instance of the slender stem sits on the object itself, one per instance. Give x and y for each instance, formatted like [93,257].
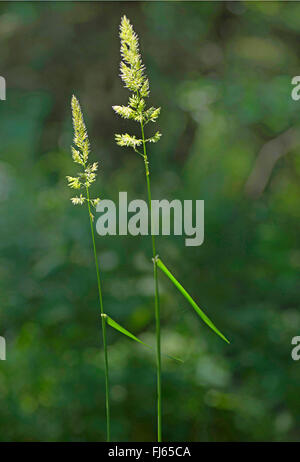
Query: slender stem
[107,398]
[157,306]
[103,321]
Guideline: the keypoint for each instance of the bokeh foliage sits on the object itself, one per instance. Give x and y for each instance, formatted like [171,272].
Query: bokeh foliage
[221,72]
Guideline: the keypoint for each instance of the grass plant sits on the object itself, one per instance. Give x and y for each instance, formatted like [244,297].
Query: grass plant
[132,72]
[82,183]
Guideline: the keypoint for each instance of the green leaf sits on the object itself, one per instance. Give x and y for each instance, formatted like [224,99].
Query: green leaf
[189,299]
[121,329]
[124,331]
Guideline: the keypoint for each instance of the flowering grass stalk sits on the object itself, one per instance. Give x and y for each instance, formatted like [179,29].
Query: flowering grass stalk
[135,80]
[132,74]
[82,183]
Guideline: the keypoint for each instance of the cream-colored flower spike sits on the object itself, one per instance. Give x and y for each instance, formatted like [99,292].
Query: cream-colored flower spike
[134,78]
[80,154]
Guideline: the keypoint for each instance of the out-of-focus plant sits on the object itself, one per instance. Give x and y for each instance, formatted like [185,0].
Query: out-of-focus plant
[135,80]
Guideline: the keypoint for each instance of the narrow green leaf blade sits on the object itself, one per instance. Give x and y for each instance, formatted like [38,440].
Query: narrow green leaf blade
[189,299]
[124,331]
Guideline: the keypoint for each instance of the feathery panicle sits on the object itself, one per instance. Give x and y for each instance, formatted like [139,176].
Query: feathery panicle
[80,133]
[132,68]
[80,154]
[134,78]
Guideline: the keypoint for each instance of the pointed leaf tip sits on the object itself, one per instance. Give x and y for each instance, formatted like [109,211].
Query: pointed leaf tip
[124,331]
[187,296]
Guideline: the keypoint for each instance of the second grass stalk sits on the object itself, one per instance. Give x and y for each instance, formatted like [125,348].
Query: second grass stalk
[135,80]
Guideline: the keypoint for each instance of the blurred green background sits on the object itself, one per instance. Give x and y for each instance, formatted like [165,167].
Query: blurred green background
[222,73]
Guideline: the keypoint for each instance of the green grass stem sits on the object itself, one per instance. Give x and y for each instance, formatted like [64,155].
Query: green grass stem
[157,305]
[103,322]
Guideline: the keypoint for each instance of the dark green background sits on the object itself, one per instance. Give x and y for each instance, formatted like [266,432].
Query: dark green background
[222,74]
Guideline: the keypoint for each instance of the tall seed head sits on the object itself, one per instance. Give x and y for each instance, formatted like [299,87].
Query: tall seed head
[80,154]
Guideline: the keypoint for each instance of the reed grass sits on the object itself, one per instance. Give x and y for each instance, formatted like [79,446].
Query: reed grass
[82,183]
[132,72]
